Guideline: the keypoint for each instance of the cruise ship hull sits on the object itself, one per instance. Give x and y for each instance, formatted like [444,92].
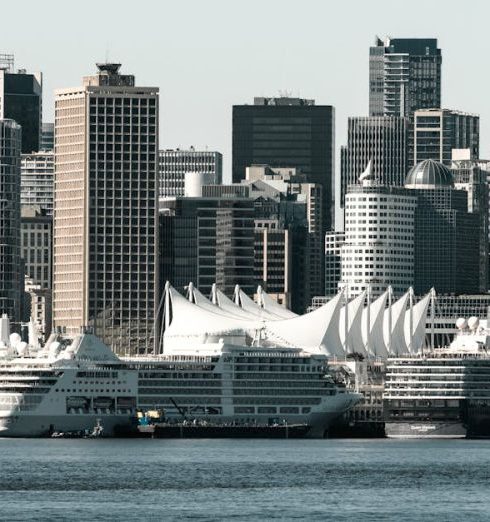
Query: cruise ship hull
[425,430]
[32,426]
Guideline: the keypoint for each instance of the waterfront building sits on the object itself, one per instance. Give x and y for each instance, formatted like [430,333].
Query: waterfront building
[37,180]
[37,244]
[21,100]
[379,237]
[381,140]
[292,132]
[447,237]
[174,164]
[47,136]
[436,132]
[105,217]
[11,273]
[333,261]
[404,75]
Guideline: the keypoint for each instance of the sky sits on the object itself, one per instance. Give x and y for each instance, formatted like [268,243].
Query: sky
[207,55]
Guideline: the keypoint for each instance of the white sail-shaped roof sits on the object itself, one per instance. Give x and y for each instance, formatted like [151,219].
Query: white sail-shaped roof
[395,340]
[252,307]
[226,304]
[354,342]
[373,333]
[316,330]
[191,324]
[204,303]
[417,324]
[271,305]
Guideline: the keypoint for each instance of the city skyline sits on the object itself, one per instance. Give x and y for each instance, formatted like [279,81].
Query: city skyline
[199,112]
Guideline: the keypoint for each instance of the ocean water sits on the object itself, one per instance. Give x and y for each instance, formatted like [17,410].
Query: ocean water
[360,480]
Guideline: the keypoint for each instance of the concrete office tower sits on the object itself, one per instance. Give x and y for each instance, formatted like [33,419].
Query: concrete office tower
[37,180]
[333,261]
[37,244]
[174,164]
[379,238]
[436,132]
[404,75]
[209,239]
[290,132]
[381,140]
[47,137]
[21,100]
[11,271]
[447,236]
[105,215]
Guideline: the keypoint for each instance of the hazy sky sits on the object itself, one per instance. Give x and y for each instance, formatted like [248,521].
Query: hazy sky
[206,55]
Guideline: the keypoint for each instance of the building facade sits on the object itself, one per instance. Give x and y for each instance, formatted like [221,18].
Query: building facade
[106,216]
[447,236]
[404,75]
[37,245]
[379,239]
[383,140]
[21,100]
[11,269]
[436,132]
[333,261]
[209,239]
[174,164]
[47,136]
[37,180]
[471,177]
[290,132]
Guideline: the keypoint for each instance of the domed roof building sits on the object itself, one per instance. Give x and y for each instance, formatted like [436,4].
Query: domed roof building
[429,174]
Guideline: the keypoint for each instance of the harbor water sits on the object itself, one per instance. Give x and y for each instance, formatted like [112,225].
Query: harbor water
[104,479]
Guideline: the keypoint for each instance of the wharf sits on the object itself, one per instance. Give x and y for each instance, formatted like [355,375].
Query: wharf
[181,430]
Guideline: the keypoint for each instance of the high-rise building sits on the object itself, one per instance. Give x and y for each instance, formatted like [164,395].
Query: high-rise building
[404,75]
[334,241]
[379,238]
[381,140]
[447,236]
[47,136]
[436,132]
[272,259]
[37,180]
[106,216]
[37,244]
[174,164]
[283,199]
[11,270]
[21,100]
[290,132]
[209,239]
[470,176]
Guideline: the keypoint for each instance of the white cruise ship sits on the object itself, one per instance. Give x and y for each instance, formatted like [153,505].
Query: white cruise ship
[442,393]
[220,361]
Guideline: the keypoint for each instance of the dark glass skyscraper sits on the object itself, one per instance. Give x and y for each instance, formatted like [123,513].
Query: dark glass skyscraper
[447,248]
[11,276]
[404,75]
[287,132]
[21,100]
